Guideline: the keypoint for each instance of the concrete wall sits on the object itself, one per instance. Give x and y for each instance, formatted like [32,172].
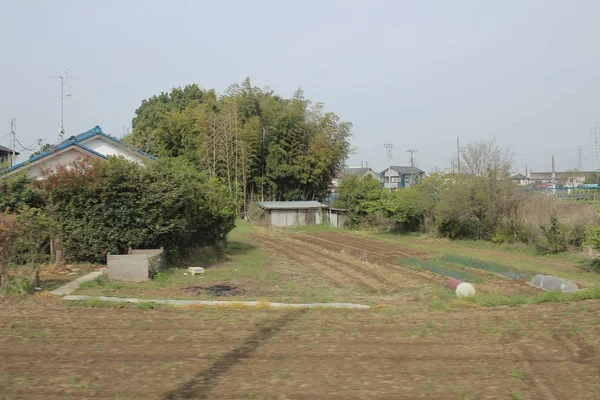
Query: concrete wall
[139,266]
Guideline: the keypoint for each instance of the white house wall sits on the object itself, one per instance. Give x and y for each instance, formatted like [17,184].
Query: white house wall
[38,170]
[109,148]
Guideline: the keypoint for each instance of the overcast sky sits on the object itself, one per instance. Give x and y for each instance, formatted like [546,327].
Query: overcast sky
[414,73]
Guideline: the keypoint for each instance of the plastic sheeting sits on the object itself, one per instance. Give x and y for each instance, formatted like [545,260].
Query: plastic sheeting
[549,282]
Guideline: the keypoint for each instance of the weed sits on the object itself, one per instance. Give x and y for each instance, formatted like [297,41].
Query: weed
[102,280]
[147,305]
[46,297]
[162,277]
[77,383]
[516,395]
[429,388]
[263,304]
[517,374]
[96,303]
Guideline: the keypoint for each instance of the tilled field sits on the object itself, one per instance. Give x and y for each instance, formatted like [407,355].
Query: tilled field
[345,259]
[52,351]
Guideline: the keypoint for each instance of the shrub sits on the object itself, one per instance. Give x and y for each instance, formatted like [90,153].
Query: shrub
[108,207]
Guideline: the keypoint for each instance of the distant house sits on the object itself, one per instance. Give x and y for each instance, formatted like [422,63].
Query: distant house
[93,144]
[520,179]
[300,213]
[397,177]
[6,155]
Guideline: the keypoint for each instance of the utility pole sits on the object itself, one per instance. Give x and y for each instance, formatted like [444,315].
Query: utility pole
[579,159]
[13,128]
[412,165]
[526,174]
[553,172]
[596,156]
[458,154]
[64,81]
[389,147]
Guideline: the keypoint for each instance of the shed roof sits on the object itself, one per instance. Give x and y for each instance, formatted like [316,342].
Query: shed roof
[519,177]
[290,205]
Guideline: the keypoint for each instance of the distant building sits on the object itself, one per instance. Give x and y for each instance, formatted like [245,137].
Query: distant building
[93,144]
[397,177]
[520,179]
[6,155]
[569,178]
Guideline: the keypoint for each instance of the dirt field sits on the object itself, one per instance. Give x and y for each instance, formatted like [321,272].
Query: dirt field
[370,259]
[53,351]
[403,348]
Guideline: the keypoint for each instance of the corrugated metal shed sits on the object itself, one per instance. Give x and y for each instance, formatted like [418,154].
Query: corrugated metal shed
[291,205]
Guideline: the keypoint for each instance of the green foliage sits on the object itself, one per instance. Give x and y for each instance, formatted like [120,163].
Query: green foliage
[488,266]
[108,207]
[17,191]
[258,143]
[147,305]
[360,196]
[593,178]
[441,269]
[371,206]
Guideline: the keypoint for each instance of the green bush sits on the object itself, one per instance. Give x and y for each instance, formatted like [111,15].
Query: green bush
[109,207]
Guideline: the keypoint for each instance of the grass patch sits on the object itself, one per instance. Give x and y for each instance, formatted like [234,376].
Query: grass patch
[147,305]
[96,303]
[496,300]
[437,267]
[484,265]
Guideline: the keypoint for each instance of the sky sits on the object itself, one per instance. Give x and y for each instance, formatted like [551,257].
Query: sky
[417,74]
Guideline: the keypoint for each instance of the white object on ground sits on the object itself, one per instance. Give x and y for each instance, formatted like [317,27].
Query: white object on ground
[549,282]
[465,289]
[196,270]
[217,302]
[74,284]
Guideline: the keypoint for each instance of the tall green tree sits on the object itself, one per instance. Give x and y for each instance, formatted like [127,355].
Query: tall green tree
[261,145]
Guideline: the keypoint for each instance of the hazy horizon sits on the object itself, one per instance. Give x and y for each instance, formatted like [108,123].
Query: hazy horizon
[415,74]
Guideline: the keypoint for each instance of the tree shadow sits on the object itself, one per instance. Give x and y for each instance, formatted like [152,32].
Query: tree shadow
[200,385]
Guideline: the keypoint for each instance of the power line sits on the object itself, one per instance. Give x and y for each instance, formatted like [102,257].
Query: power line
[31,148]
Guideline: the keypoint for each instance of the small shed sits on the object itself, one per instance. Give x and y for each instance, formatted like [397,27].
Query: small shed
[300,213]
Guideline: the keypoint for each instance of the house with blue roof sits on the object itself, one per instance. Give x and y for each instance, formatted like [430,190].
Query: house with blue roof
[92,144]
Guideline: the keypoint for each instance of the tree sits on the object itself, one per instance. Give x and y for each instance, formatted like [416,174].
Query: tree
[486,158]
[593,178]
[360,196]
[261,145]
[45,147]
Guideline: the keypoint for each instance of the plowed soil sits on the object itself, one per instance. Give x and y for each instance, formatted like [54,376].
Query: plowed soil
[53,351]
[383,257]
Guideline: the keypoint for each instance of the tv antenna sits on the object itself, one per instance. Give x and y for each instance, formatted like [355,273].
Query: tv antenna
[64,82]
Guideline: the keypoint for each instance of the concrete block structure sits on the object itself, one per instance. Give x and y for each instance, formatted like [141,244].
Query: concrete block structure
[138,266]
